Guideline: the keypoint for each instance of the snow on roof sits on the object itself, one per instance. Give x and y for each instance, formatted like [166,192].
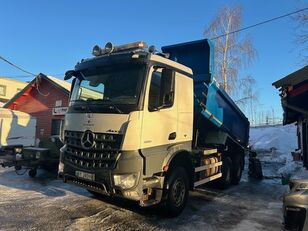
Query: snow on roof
[61,83]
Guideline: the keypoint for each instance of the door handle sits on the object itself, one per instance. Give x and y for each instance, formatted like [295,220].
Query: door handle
[172,136]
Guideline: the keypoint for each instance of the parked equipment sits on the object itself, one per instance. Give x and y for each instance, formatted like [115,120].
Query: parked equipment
[17,129]
[46,156]
[150,126]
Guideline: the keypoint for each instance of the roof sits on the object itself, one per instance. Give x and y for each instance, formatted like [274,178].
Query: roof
[293,78]
[61,84]
[12,80]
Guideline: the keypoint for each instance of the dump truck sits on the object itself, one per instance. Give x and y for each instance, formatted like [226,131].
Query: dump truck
[149,126]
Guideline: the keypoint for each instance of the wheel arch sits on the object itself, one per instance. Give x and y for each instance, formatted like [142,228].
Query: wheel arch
[181,158]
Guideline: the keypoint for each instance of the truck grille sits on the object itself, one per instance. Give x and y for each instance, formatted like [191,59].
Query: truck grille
[294,218]
[102,154]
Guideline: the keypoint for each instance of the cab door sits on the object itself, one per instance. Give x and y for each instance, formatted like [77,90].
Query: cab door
[159,127]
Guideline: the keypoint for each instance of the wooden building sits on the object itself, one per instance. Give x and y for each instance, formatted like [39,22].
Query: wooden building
[294,100]
[45,98]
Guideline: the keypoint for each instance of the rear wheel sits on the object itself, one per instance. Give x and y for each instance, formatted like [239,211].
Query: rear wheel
[237,170]
[226,170]
[177,192]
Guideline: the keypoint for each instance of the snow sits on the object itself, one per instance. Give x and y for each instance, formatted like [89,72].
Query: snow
[279,137]
[275,144]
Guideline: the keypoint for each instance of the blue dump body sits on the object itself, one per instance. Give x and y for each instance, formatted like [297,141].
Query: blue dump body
[212,102]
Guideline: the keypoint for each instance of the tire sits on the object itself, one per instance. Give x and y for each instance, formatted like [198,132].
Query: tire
[32,172]
[237,170]
[177,192]
[255,169]
[17,167]
[227,170]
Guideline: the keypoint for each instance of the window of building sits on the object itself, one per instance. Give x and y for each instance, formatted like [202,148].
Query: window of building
[2,90]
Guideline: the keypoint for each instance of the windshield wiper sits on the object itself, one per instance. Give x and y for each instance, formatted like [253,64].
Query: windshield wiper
[114,107]
[82,108]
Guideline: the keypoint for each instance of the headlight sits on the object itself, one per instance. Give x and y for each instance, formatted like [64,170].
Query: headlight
[125,181]
[37,155]
[17,150]
[302,186]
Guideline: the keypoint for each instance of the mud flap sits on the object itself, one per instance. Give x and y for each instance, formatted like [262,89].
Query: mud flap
[255,167]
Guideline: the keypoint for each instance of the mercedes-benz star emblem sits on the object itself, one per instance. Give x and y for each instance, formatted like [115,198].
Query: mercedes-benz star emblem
[87,139]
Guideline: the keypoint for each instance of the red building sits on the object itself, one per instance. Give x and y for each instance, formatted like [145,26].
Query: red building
[46,99]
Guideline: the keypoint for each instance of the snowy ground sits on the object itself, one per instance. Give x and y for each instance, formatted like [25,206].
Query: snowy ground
[45,203]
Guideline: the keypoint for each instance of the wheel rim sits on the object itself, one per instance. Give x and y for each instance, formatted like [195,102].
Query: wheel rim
[178,192]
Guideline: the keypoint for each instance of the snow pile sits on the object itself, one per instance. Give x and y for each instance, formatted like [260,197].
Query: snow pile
[281,138]
[300,174]
[291,168]
[274,145]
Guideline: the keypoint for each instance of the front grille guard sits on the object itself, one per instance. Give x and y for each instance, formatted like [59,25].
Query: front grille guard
[92,186]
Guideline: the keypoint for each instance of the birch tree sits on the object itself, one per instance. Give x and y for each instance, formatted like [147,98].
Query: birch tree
[232,51]
[301,33]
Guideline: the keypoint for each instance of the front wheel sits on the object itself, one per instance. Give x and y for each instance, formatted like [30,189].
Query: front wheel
[32,172]
[176,192]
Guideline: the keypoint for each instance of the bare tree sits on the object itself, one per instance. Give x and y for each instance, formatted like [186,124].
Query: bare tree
[231,52]
[248,97]
[301,35]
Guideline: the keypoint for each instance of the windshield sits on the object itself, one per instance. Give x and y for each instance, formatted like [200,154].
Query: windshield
[117,86]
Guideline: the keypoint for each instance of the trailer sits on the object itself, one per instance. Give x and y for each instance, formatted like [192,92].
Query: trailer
[45,156]
[17,129]
[17,147]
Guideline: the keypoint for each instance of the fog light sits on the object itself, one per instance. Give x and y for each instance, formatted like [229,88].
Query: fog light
[96,51]
[18,156]
[125,181]
[109,48]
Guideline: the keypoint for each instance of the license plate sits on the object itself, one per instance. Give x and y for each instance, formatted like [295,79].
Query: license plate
[85,175]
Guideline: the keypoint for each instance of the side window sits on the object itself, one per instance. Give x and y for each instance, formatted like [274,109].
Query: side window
[161,93]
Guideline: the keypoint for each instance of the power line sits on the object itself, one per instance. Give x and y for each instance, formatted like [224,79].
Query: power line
[260,23]
[17,67]
[27,76]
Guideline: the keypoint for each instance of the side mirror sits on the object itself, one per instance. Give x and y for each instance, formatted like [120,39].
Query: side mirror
[69,74]
[72,87]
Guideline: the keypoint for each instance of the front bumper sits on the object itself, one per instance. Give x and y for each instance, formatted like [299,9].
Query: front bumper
[147,190]
[295,218]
